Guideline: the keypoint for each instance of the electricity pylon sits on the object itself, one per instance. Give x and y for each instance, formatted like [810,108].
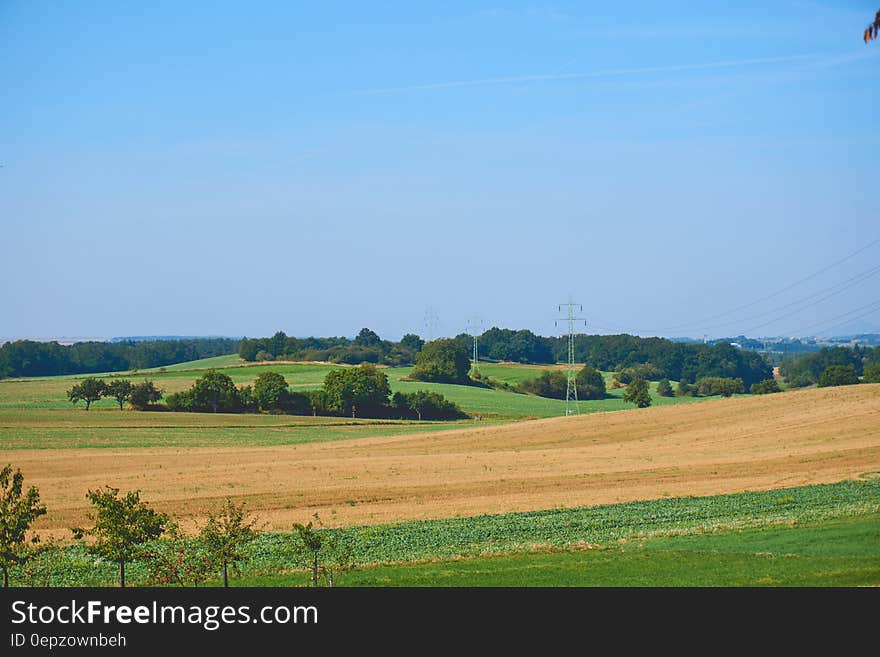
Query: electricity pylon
[571,393]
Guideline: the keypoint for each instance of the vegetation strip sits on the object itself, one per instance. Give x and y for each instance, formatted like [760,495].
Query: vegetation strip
[519,532]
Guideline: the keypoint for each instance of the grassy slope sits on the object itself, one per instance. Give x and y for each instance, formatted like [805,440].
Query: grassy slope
[50,392]
[34,413]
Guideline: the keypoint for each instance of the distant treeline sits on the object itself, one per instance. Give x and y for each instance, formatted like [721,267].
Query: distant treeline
[676,360]
[367,347]
[806,370]
[30,358]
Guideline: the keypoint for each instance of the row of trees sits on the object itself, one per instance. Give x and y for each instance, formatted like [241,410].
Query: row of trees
[366,347]
[554,384]
[361,391]
[124,529]
[30,358]
[140,395]
[675,360]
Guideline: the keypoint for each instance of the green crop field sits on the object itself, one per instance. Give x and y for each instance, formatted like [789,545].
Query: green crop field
[810,535]
[840,552]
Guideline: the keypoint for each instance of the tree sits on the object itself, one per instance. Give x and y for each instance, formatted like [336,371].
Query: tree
[277,344]
[144,394]
[684,389]
[227,535]
[363,387]
[120,390]
[549,383]
[637,393]
[664,388]
[412,341]
[427,405]
[216,391]
[88,390]
[765,387]
[590,383]
[326,553]
[872,373]
[122,526]
[442,361]
[367,338]
[177,559]
[838,375]
[18,509]
[270,391]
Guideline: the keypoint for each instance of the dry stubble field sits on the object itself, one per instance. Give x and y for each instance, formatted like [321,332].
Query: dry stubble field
[719,446]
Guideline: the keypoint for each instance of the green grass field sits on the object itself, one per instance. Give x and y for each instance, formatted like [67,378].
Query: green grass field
[50,392]
[35,413]
[821,535]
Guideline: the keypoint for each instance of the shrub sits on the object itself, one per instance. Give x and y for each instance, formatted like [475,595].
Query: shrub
[765,387]
[590,383]
[427,405]
[645,371]
[713,385]
[637,393]
[872,373]
[664,388]
[144,395]
[838,375]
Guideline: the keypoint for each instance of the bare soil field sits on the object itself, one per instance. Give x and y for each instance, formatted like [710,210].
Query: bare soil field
[719,446]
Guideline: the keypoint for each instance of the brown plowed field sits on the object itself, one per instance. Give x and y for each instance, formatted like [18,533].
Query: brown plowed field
[719,446]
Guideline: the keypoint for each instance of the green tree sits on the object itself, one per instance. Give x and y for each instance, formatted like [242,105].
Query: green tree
[684,389]
[590,383]
[326,552]
[18,510]
[872,373]
[549,383]
[348,389]
[277,344]
[637,393]
[88,390]
[427,405]
[412,341]
[367,338]
[122,526]
[838,375]
[177,559]
[120,390]
[664,388]
[270,391]
[215,391]
[442,361]
[765,387]
[717,385]
[226,535]
[144,394]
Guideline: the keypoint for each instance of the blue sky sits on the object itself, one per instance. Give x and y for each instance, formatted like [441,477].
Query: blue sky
[239,168]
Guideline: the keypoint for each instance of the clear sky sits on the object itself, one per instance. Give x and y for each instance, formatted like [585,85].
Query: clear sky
[237,168]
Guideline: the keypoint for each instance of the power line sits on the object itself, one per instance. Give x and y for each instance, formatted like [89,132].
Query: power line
[874,305]
[817,301]
[702,323]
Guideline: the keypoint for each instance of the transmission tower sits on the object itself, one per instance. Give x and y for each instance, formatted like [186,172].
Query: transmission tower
[571,393]
[475,329]
[431,321]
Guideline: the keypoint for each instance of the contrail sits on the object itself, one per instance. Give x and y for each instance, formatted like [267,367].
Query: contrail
[597,74]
